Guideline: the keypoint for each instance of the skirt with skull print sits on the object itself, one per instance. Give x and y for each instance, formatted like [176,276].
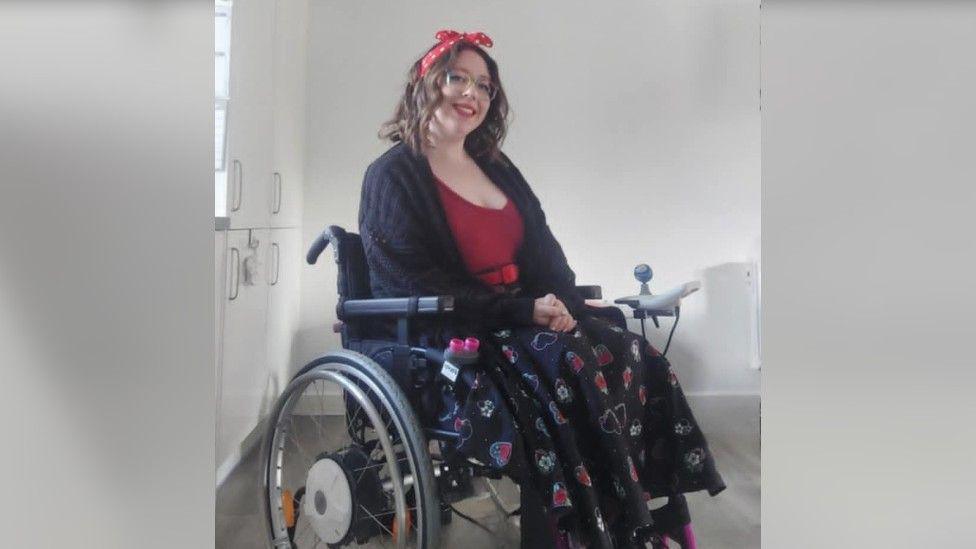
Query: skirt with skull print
[595,418]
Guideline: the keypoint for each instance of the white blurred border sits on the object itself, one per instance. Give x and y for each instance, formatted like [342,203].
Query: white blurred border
[106,284]
[869,130]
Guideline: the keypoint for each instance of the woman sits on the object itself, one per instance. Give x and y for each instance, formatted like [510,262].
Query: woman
[588,418]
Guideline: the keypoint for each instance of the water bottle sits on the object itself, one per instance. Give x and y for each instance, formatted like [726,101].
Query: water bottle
[459,353]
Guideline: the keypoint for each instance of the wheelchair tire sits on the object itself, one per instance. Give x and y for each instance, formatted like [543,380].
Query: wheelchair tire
[376,390]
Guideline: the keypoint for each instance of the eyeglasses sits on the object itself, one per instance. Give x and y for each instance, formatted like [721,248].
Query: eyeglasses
[459,83]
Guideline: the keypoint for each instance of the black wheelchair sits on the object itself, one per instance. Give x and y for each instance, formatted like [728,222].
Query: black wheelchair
[346,459]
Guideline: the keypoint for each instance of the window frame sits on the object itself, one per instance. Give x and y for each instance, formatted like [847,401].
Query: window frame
[222,8]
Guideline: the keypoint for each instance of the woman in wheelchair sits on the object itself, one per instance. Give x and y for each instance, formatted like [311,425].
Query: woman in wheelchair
[586,417]
[589,414]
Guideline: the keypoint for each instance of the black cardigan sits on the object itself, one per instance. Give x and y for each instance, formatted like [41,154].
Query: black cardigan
[411,250]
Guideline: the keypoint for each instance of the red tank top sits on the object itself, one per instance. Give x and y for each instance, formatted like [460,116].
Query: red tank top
[487,238]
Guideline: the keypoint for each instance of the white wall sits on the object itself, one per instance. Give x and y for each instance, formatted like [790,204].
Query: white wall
[637,124]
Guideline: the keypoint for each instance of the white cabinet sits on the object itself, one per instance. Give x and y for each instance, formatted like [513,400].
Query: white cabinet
[220,270]
[266,113]
[244,376]
[250,114]
[284,287]
[290,40]
[258,316]
[262,253]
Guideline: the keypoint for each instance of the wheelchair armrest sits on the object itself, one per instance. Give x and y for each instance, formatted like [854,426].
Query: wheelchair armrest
[396,306]
[613,314]
[590,292]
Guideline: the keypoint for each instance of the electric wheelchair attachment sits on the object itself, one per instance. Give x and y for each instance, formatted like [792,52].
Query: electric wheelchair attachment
[347,457]
[645,304]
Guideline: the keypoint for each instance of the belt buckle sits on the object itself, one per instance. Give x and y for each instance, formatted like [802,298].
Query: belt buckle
[509,273]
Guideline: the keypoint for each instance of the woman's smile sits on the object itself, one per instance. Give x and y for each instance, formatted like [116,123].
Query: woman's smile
[465,110]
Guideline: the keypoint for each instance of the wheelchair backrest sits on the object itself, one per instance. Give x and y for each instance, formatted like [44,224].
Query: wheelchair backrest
[353,274]
[352,279]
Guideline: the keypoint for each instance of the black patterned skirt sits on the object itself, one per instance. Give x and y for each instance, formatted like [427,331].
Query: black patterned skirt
[594,419]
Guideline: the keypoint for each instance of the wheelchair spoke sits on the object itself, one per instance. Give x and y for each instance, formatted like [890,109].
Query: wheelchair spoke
[376,520]
[355,416]
[318,424]
[362,471]
[295,438]
[388,513]
[321,390]
[373,466]
[320,428]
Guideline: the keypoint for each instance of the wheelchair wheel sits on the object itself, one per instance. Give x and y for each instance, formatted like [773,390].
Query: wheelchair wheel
[347,469]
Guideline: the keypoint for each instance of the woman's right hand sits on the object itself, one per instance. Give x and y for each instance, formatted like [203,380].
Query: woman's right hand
[551,313]
[545,309]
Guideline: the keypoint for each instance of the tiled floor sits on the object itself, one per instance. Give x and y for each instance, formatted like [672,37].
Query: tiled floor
[727,521]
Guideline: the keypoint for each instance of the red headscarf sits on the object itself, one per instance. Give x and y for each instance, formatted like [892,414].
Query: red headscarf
[446,39]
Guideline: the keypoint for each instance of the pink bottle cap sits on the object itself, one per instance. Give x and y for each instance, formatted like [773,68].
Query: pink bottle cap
[456,345]
[471,344]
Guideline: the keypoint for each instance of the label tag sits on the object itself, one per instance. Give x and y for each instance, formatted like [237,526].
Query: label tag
[449,371]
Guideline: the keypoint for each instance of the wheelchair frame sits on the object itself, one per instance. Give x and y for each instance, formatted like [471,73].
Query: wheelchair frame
[357,369]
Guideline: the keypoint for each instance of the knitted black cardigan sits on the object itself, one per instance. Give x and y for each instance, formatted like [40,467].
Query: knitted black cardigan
[411,250]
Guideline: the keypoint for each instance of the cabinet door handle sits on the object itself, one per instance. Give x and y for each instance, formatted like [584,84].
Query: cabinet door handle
[238,184]
[276,255]
[277,199]
[235,274]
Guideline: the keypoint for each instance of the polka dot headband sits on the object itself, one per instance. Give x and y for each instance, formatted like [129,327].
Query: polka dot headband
[446,39]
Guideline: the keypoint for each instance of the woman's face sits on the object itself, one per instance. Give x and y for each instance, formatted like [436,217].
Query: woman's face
[465,103]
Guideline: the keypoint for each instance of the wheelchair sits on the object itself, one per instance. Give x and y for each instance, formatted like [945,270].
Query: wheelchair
[363,467]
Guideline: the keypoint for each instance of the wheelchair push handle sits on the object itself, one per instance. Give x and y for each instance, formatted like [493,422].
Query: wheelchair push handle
[317,248]
[331,234]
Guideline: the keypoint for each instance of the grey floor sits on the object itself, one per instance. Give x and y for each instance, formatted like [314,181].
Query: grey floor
[727,521]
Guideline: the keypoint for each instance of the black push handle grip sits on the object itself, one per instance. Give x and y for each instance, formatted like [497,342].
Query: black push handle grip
[317,248]
[331,234]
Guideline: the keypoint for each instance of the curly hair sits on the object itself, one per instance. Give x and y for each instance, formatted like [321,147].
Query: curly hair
[422,95]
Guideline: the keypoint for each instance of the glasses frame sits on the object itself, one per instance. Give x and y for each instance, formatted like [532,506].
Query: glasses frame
[470,81]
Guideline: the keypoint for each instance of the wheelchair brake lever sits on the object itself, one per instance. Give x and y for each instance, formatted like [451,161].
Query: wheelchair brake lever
[432,355]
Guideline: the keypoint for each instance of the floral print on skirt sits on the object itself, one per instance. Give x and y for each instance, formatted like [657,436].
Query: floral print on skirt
[595,418]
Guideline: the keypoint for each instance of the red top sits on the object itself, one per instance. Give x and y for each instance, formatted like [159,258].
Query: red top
[487,238]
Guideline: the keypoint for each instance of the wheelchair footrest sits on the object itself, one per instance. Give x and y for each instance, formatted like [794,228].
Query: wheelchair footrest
[454,482]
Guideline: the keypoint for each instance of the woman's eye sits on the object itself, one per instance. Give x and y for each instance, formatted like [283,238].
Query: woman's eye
[454,78]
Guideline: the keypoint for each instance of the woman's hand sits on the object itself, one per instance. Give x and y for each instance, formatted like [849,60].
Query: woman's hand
[564,322]
[552,313]
[545,309]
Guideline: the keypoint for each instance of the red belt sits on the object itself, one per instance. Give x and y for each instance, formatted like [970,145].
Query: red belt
[506,274]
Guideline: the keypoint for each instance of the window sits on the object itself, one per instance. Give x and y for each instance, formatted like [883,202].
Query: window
[221,98]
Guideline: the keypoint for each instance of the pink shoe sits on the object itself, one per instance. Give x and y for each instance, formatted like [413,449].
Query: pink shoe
[685,537]
[561,538]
